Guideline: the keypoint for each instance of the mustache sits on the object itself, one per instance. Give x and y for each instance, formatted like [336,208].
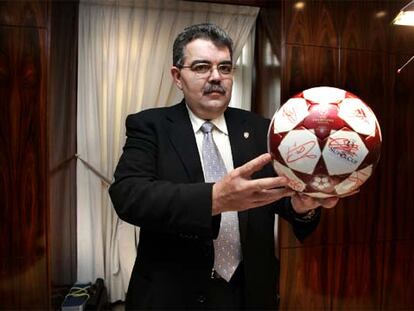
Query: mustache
[210,88]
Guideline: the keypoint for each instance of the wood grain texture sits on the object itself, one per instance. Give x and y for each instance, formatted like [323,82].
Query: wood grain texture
[308,283]
[352,24]
[398,283]
[27,289]
[266,90]
[308,66]
[62,142]
[317,23]
[31,13]
[23,137]
[365,244]
[365,25]
[269,21]
[23,162]
[354,220]
[399,214]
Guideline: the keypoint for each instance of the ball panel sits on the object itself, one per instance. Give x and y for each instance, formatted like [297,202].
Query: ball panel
[320,195]
[354,181]
[273,141]
[322,183]
[300,150]
[324,95]
[322,119]
[343,152]
[359,117]
[290,115]
[294,182]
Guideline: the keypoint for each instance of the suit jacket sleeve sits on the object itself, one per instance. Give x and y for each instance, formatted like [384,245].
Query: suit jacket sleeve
[301,228]
[259,126]
[284,208]
[142,198]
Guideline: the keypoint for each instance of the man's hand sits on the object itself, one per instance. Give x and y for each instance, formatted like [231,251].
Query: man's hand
[237,192]
[303,203]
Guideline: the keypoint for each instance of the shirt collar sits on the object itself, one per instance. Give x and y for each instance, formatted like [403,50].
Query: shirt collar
[196,122]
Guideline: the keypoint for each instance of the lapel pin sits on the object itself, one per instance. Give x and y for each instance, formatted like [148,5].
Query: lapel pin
[246,135]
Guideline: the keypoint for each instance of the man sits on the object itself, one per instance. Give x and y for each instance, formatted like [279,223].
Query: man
[206,238]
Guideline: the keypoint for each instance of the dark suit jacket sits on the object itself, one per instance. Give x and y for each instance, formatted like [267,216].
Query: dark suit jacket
[159,186]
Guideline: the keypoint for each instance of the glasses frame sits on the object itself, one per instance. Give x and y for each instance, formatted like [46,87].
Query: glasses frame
[210,70]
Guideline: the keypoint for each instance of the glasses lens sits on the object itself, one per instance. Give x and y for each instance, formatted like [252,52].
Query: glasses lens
[225,69]
[201,68]
[205,68]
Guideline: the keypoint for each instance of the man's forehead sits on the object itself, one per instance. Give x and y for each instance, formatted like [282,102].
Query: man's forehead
[206,49]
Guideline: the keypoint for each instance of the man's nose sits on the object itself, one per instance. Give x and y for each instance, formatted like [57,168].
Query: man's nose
[214,74]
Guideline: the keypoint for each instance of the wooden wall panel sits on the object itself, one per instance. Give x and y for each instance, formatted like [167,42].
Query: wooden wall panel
[401,40]
[24,13]
[365,25]
[308,284]
[358,276]
[305,284]
[9,291]
[364,246]
[26,287]
[23,159]
[400,210]
[339,23]
[316,23]
[398,284]
[266,90]
[354,220]
[62,142]
[308,66]
[37,141]
[270,23]
[366,74]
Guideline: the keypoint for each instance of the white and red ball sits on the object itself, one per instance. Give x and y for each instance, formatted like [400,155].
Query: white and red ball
[326,141]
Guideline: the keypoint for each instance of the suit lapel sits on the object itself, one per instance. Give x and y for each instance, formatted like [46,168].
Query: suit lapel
[182,137]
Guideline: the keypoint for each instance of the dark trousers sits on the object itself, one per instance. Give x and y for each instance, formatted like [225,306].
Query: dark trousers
[225,295]
[220,295]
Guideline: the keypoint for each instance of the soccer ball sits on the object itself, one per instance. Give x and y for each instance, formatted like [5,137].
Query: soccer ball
[326,141]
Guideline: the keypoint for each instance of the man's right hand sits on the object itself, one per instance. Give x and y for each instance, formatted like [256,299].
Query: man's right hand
[238,192]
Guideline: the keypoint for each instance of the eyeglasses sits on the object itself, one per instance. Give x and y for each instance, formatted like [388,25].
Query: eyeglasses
[205,69]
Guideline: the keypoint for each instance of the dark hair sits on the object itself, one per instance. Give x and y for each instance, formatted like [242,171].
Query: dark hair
[206,31]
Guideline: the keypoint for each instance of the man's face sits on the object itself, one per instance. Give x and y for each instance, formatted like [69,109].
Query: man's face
[207,94]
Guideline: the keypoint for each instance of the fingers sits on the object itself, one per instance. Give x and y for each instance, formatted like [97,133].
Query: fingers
[254,165]
[302,202]
[234,193]
[271,195]
[329,202]
[348,194]
[268,183]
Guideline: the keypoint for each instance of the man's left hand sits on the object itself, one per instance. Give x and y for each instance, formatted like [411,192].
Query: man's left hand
[303,203]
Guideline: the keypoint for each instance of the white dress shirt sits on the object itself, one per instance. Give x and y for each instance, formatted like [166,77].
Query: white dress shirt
[220,136]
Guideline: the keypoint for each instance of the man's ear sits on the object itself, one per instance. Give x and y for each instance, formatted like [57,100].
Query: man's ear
[176,75]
